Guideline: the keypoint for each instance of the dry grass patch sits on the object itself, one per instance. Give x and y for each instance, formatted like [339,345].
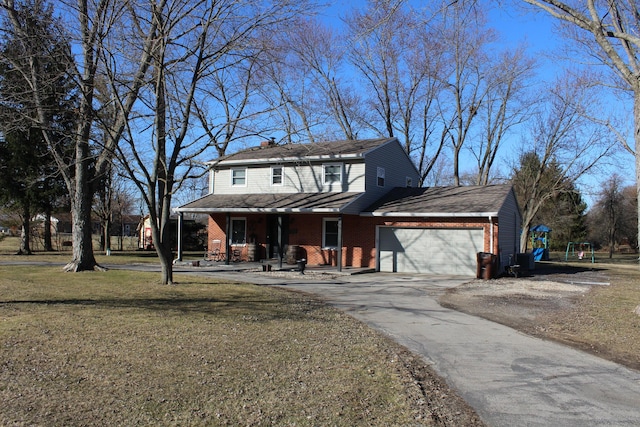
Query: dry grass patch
[604,321]
[115,348]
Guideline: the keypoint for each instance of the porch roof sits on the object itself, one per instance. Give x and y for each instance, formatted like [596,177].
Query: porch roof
[467,201]
[286,202]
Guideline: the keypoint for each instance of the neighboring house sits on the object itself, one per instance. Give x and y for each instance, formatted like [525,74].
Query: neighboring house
[191,236]
[38,222]
[352,204]
[145,240]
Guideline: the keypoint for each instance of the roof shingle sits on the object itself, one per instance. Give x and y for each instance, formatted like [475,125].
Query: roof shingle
[289,202]
[334,149]
[470,200]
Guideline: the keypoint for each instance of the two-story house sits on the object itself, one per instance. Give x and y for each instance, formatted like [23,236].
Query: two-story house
[352,203]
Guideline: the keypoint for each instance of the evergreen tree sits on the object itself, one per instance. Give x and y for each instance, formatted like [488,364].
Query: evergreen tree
[29,176]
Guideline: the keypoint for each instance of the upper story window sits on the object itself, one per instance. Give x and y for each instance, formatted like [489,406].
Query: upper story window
[277,175]
[239,177]
[380,177]
[409,182]
[332,173]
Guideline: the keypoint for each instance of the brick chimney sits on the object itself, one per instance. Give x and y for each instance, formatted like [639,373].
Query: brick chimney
[268,143]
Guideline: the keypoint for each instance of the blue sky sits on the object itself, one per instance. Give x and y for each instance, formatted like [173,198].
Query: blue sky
[536,30]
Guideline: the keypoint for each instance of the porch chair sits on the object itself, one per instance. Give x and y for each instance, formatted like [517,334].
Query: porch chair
[215,254]
[236,255]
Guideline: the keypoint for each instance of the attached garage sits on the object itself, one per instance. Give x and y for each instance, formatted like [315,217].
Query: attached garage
[440,230]
[429,250]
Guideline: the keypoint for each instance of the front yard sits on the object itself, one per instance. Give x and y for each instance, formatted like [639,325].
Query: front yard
[116,348]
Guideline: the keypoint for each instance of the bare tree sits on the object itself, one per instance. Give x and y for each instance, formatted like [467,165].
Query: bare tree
[434,82]
[613,215]
[317,54]
[301,78]
[611,206]
[608,33]
[467,84]
[401,68]
[507,104]
[382,52]
[232,90]
[564,145]
[92,23]
[195,44]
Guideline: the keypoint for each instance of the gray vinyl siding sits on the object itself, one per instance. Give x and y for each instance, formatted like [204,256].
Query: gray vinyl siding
[510,224]
[297,178]
[397,165]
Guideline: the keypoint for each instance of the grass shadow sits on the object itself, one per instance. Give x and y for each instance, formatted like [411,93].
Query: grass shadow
[257,309]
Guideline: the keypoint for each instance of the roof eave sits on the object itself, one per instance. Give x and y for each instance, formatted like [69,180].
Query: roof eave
[272,160]
[432,214]
[257,210]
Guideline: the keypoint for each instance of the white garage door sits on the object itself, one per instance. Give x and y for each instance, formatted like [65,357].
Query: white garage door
[429,250]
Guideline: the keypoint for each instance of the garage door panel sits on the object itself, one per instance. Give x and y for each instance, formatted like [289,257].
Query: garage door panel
[425,250]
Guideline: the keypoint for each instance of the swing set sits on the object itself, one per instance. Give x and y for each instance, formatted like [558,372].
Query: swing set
[581,252]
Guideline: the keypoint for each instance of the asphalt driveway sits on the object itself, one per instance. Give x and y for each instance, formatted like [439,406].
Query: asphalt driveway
[509,378]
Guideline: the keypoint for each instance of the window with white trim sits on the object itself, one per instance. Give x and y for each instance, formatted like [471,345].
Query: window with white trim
[238,231]
[239,177]
[380,177]
[277,175]
[330,233]
[332,173]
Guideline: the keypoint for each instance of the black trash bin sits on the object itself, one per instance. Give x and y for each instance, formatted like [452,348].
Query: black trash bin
[485,265]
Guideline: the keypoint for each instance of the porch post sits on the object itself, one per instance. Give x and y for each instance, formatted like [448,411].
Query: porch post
[340,243]
[180,219]
[280,242]
[227,244]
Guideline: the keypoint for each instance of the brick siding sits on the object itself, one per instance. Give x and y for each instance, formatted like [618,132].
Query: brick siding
[358,239]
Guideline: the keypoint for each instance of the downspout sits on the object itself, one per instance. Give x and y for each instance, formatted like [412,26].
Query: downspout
[340,243]
[491,250]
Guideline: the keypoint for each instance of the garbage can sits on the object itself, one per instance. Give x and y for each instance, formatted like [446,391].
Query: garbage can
[484,268]
[291,254]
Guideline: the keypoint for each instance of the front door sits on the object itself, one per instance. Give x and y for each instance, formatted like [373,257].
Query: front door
[273,245]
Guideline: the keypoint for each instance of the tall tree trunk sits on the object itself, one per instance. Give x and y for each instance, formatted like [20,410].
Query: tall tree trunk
[163,249]
[456,165]
[83,257]
[166,263]
[48,247]
[25,235]
[106,235]
[636,140]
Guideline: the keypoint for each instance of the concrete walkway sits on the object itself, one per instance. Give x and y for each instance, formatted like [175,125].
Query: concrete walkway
[510,379]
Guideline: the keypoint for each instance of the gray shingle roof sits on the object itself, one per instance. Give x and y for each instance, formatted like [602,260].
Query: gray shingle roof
[290,202]
[441,201]
[334,149]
